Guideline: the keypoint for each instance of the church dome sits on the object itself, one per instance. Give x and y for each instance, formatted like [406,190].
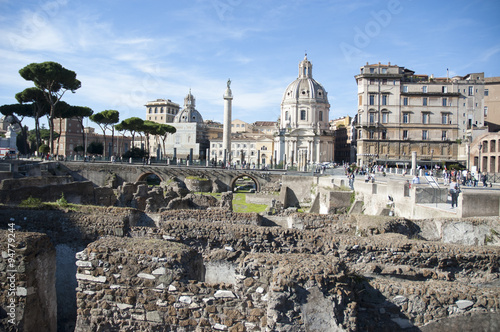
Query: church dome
[305,87]
[189,113]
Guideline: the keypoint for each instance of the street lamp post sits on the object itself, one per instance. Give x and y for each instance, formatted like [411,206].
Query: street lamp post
[404,162]
[479,158]
[432,154]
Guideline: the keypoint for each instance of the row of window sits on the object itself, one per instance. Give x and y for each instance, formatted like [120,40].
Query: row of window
[238,146]
[445,118]
[156,118]
[383,135]
[444,101]
[490,146]
[237,153]
[304,115]
[374,70]
[382,81]
[161,109]
[444,89]
[385,100]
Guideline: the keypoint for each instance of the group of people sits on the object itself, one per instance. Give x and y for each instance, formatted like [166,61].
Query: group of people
[453,179]
[466,178]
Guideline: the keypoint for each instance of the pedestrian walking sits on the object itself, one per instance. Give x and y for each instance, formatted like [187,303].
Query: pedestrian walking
[454,190]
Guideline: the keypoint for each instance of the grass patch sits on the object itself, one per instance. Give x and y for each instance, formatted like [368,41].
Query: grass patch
[343,188]
[32,202]
[240,205]
[216,195]
[196,178]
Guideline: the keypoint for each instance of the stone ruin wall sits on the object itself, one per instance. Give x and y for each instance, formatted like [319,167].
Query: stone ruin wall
[67,233]
[322,277]
[158,285]
[27,282]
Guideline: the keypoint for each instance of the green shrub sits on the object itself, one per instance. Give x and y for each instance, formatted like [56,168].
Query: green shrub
[31,202]
[62,201]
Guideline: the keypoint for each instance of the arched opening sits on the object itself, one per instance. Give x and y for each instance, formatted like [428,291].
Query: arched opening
[150,178]
[244,183]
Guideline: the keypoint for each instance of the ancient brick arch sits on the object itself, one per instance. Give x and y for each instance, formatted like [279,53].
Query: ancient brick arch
[254,179]
[97,173]
[144,175]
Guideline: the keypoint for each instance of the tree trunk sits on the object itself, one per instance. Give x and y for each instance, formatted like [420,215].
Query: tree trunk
[51,134]
[38,140]
[59,137]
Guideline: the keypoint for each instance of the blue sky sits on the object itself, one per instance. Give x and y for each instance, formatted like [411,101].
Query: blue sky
[129,52]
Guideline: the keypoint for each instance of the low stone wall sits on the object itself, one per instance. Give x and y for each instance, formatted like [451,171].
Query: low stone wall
[386,249]
[473,204]
[75,192]
[27,281]
[416,304]
[11,184]
[341,223]
[87,224]
[14,191]
[410,203]
[211,216]
[297,189]
[478,231]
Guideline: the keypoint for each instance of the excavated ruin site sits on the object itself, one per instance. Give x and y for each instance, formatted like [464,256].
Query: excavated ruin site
[199,266]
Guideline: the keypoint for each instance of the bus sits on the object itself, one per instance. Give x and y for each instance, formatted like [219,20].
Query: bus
[6,153]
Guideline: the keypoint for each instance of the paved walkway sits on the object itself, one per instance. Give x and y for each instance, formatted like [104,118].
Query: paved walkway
[441,206]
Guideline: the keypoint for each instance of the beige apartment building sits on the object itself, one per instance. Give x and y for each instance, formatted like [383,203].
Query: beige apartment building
[248,148]
[342,131]
[400,112]
[265,127]
[239,126]
[492,102]
[161,110]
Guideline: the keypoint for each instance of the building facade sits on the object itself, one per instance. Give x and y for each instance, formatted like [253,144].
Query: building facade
[485,153]
[246,149]
[400,112]
[72,135]
[190,138]
[265,127]
[239,126]
[342,131]
[161,110]
[304,132]
[492,102]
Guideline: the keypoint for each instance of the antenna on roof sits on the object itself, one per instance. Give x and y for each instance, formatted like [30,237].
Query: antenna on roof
[447,75]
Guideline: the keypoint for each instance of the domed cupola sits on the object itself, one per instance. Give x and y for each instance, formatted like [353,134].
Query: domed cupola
[189,113]
[305,101]
[305,87]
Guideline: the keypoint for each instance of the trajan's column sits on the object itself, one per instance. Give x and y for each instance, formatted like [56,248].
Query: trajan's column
[226,136]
